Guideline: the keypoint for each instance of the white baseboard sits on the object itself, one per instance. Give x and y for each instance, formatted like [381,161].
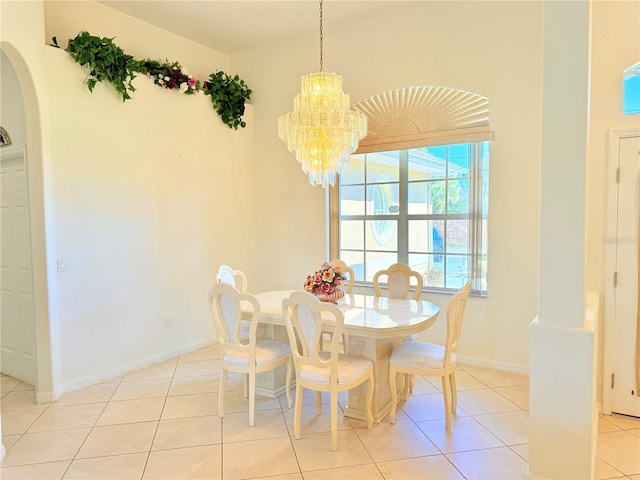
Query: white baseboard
[494,365]
[130,367]
[534,477]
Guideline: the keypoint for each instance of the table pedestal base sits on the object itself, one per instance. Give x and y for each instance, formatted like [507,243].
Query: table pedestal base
[378,351]
[272,384]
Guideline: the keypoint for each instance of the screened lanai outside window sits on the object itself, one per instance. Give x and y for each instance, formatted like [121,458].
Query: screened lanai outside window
[426,207]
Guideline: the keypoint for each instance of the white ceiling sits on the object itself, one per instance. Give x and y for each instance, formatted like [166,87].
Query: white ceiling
[231,26]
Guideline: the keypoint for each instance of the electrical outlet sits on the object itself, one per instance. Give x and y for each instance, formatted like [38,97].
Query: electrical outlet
[168,323]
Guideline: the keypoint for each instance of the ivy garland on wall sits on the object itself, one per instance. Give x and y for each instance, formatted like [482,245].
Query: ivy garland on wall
[108,62]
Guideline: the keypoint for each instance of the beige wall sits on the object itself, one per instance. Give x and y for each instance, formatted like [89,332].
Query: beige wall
[490,48]
[151,196]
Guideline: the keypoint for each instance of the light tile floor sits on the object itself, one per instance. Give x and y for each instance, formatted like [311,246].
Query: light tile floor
[161,422]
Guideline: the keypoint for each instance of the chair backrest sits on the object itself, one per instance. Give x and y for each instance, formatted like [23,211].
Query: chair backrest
[237,278]
[226,305]
[348,284]
[455,312]
[398,281]
[306,318]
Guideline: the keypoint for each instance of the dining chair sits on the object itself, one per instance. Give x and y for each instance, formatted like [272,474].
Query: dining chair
[244,355]
[317,369]
[399,277]
[237,278]
[421,358]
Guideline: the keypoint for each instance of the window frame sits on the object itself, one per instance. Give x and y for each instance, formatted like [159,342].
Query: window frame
[475,215]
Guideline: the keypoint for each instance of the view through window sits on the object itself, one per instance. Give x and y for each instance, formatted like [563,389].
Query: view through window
[631,90]
[426,207]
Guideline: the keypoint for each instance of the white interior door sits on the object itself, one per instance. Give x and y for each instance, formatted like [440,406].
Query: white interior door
[17,335]
[625,398]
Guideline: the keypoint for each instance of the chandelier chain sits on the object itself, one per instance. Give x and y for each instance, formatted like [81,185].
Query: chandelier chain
[321,36]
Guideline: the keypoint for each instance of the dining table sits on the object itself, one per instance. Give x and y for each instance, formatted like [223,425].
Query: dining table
[373,325]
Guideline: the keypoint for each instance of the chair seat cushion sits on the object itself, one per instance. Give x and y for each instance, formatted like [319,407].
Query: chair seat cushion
[267,351]
[420,355]
[350,367]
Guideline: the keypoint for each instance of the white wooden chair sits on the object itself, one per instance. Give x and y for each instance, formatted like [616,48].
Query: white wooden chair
[398,282]
[421,358]
[237,278]
[399,277]
[244,355]
[323,371]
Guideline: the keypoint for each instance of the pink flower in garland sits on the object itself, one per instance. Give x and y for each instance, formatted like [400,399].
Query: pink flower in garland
[172,76]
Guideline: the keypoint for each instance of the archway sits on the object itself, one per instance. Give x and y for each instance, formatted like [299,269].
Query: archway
[46,366]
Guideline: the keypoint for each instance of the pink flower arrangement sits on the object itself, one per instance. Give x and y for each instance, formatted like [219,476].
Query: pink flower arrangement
[325,279]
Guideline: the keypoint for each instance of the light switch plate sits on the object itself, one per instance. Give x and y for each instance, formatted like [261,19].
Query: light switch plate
[62,265]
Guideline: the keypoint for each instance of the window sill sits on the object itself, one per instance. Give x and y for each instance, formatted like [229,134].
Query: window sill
[367,288]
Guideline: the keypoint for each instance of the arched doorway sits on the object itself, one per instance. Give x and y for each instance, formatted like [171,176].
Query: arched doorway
[44,346]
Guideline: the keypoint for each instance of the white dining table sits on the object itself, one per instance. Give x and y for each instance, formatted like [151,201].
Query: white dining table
[374,325]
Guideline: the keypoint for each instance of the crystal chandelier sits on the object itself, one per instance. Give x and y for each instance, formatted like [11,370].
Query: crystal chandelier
[322,130]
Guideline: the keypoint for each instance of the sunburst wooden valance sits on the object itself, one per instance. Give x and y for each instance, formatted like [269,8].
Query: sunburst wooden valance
[413,117]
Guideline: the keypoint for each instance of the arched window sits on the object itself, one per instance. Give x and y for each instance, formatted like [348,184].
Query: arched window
[416,190]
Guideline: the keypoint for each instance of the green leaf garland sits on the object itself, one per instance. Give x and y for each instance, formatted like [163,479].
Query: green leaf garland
[108,62]
[228,95]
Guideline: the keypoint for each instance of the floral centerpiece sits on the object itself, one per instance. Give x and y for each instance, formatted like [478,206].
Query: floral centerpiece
[326,283]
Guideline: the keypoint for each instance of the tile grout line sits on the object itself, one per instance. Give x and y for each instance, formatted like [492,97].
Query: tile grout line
[91,429]
[427,436]
[153,439]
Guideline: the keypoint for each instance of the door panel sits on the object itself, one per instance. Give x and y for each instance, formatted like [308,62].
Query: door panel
[17,345]
[625,399]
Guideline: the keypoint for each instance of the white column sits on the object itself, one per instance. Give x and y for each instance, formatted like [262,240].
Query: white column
[562,345]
